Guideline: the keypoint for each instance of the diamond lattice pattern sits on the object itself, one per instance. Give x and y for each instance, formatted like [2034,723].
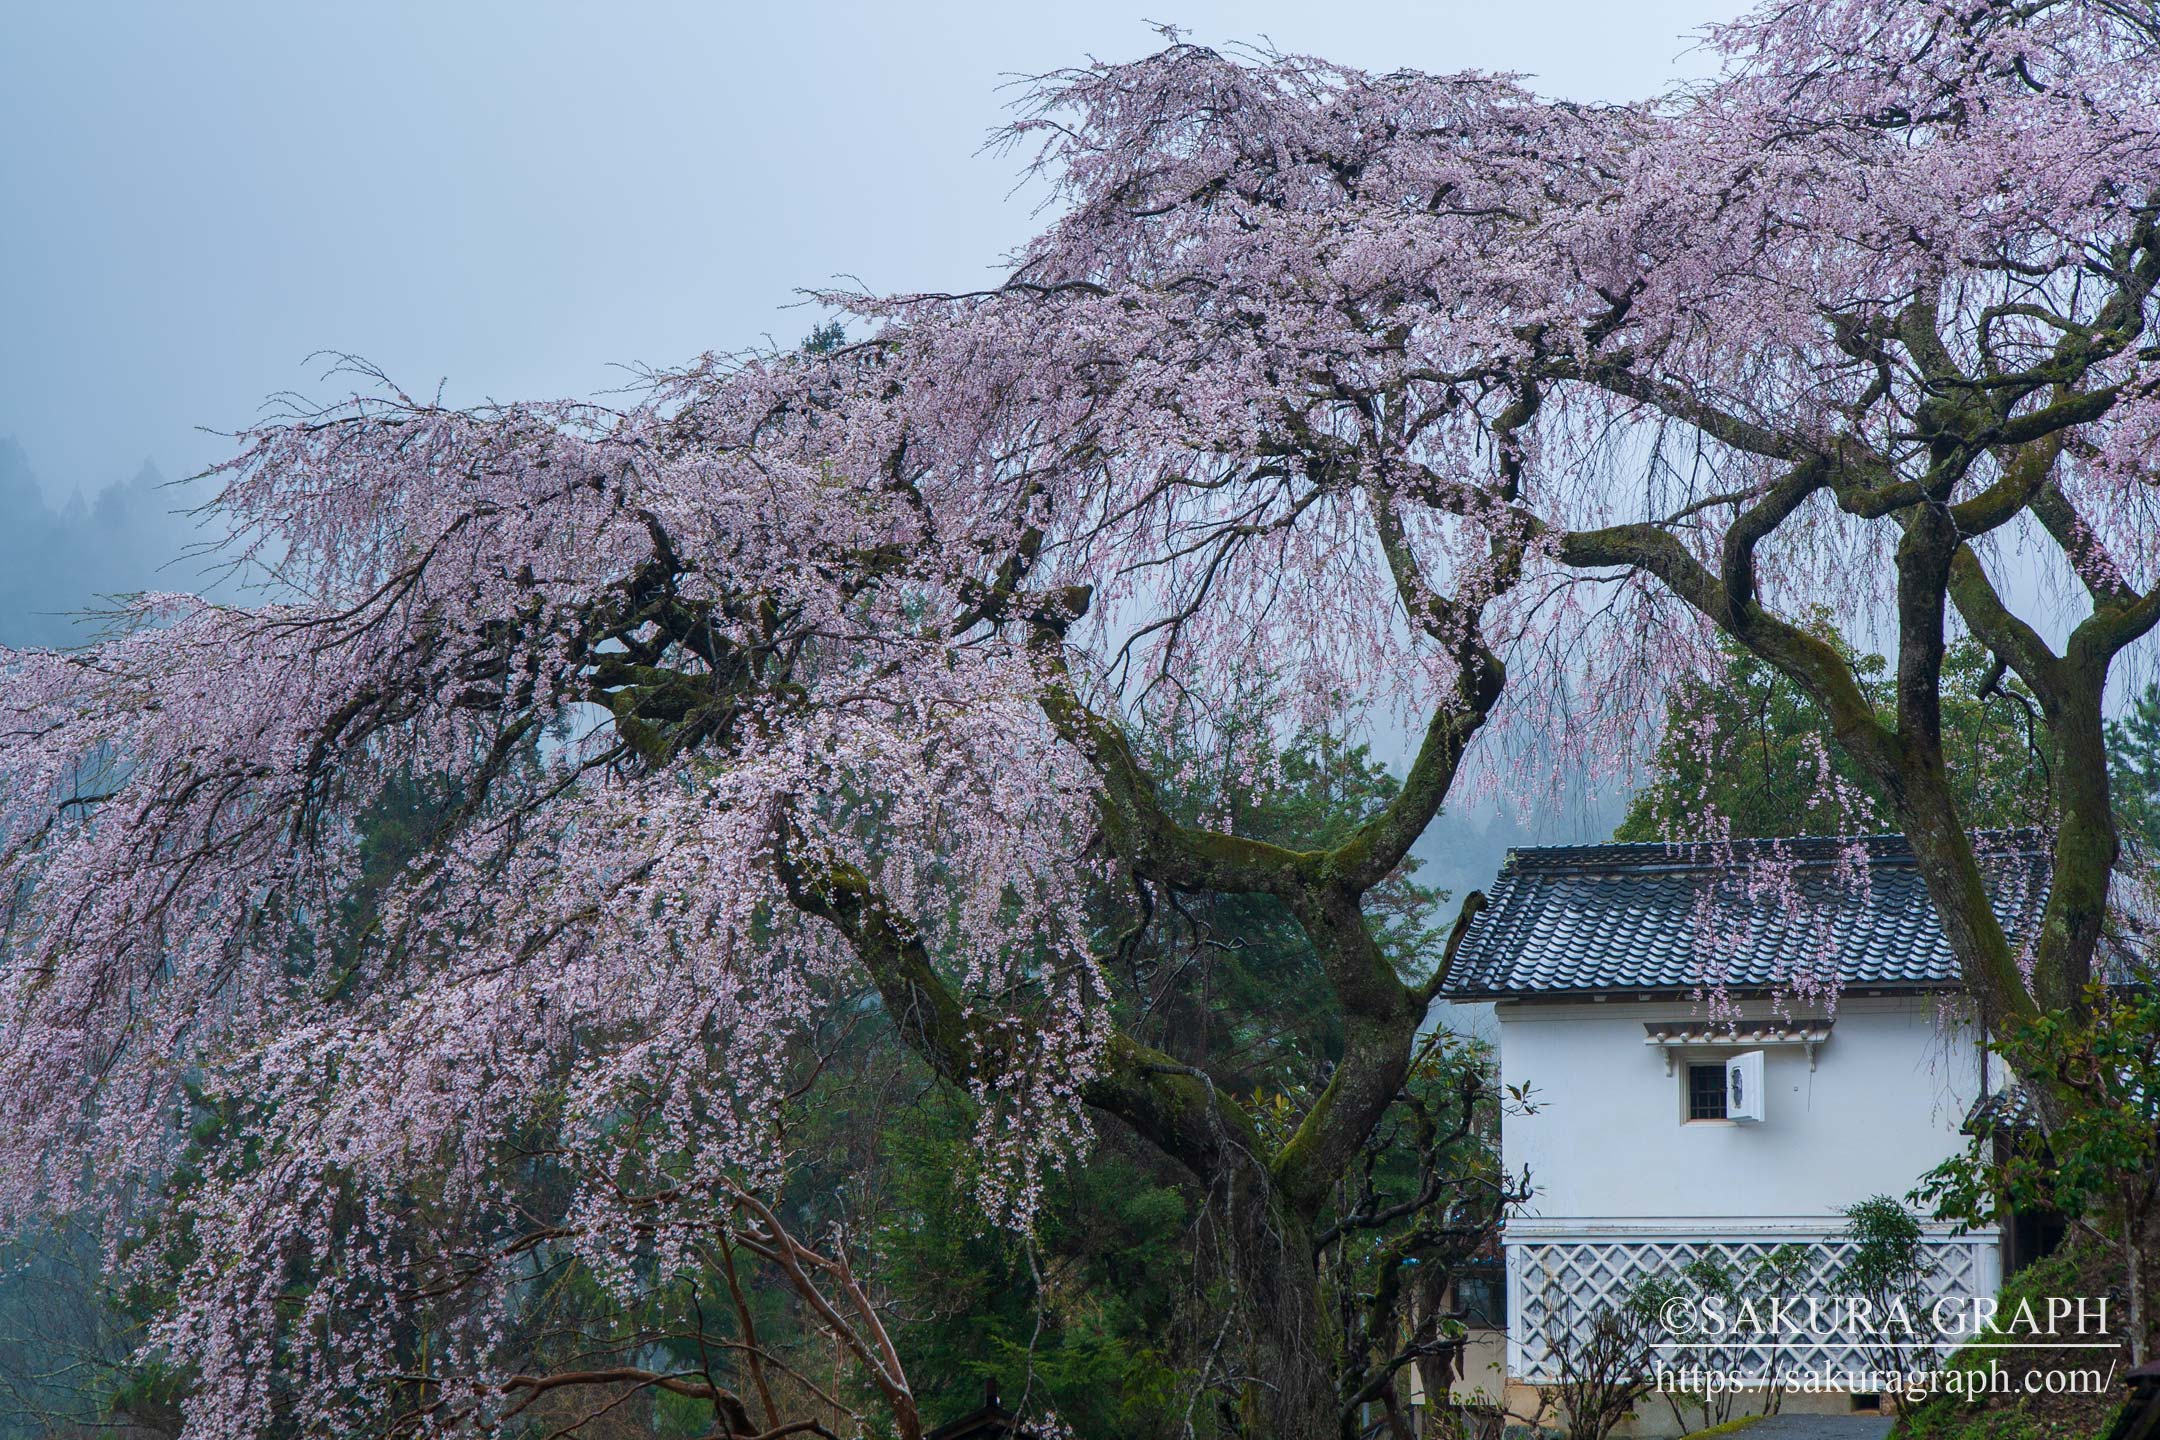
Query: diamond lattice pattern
[1565,1282]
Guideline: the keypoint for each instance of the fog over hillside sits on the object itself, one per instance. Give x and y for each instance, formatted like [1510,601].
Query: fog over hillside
[111,536]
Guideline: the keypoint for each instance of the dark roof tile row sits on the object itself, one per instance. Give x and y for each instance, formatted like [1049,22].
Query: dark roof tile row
[1586,919]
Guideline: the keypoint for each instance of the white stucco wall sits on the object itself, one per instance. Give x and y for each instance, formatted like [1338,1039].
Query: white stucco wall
[1882,1106]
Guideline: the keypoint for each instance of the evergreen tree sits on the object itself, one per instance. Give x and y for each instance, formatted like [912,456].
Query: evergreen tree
[1754,754]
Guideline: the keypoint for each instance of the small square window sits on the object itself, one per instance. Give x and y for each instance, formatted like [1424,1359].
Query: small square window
[1706,1092]
[1481,1296]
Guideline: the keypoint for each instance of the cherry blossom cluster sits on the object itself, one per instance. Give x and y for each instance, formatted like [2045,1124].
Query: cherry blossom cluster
[672,663]
[1400,395]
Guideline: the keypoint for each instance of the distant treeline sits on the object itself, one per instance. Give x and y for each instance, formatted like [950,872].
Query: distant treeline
[57,564]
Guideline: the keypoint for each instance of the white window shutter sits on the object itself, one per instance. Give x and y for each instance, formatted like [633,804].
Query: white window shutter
[1744,1087]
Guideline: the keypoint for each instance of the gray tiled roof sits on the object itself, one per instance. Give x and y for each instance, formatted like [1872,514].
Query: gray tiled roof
[2008,1109]
[1574,919]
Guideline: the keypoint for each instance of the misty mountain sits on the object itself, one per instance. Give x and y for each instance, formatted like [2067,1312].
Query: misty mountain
[57,563]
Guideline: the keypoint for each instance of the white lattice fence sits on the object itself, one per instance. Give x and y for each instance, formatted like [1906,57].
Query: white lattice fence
[1566,1281]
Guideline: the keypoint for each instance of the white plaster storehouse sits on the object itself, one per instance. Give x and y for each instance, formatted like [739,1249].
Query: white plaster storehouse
[1658,1135]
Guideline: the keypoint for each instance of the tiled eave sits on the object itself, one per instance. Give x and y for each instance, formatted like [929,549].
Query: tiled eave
[1675,1036]
[1690,991]
[1580,921]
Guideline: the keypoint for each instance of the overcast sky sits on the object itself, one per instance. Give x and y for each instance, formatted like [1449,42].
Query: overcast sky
[514,198]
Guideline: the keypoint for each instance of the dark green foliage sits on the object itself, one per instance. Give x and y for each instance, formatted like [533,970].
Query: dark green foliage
[1967,1409]
[1231,981]
[2134,766]
[1085,1316]
[1889,1268]
[63,1343]
[1753,749]
[1112,1313]
[2098,1162]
